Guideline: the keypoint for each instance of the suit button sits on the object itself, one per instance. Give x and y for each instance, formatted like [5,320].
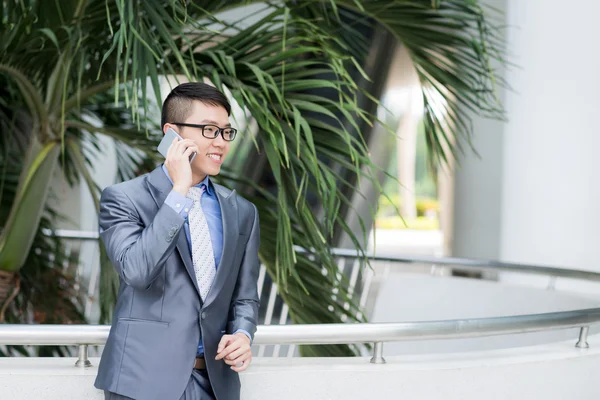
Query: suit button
[203,315]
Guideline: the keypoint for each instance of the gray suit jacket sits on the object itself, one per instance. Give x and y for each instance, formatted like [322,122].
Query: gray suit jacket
[156,326]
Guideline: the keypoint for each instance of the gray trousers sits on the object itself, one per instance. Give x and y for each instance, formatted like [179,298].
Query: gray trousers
[198,388]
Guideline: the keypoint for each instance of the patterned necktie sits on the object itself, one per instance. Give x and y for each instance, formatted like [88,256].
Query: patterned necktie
[202,250]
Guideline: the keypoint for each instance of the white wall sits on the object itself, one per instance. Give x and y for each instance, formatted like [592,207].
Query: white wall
[550,372]
[533,196]
[550,197]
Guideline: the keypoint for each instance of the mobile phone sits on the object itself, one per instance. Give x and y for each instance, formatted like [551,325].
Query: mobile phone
[166,141]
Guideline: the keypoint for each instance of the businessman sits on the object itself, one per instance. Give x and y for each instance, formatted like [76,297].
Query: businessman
[186,251]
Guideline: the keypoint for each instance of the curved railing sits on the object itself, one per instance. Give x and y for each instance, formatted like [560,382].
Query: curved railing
[85,335]
[461,263]
[473,264]
[376,333]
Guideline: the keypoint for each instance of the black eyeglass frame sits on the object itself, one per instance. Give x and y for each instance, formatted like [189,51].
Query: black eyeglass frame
[219,130]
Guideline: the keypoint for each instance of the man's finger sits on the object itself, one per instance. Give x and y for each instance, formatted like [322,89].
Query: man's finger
[189,151]
[176,149]
[242,367]
[233,346]
[243,357]
[171,148]
[235,354]
[182,145]
[224,342]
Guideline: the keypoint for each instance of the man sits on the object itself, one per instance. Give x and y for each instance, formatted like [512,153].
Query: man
[186,251]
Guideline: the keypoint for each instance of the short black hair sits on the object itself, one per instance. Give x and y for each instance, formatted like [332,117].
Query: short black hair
[178,104]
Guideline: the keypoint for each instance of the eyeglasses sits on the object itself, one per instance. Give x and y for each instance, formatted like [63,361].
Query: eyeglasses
[212,131]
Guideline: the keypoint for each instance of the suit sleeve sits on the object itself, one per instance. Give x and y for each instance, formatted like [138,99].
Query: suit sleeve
[244,303]
[138,252]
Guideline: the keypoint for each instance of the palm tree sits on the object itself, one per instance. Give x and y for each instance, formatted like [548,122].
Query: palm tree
[76,70]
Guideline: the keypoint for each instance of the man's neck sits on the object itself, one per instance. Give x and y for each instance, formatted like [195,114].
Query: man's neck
[196,179]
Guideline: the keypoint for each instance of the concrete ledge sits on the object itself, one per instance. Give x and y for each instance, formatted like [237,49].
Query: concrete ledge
[553,371]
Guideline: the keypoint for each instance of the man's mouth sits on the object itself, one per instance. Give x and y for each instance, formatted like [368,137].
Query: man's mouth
[216,157]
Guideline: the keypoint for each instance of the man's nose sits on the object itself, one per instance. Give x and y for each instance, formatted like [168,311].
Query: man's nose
[219,141]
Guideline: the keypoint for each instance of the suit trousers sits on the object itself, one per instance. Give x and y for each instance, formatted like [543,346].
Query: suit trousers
[198,388]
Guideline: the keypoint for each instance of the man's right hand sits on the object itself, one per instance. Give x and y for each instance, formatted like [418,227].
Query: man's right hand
[178,164]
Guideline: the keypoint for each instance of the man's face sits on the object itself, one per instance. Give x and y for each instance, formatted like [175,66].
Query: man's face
[211,152]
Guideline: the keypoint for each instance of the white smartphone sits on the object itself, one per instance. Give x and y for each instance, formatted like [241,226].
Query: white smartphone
[166,141]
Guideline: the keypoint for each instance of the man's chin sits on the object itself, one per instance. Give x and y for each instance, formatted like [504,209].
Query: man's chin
[210,172]
[213,172]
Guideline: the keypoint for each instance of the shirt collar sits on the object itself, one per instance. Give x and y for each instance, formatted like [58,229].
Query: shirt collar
[205,182]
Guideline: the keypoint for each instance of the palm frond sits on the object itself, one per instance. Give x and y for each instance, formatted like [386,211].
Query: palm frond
[48,279]
[452,45]
[280,70]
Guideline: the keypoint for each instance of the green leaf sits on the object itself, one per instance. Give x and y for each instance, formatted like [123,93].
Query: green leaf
[29,94]
[19,231]
[51,36]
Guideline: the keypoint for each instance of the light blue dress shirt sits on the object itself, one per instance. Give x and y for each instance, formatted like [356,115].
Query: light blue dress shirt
[212,211]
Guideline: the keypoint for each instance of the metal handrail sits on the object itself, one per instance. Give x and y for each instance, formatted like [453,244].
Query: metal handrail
[462,263]
[72,234]
[84,335]
[377,333]
[473,264]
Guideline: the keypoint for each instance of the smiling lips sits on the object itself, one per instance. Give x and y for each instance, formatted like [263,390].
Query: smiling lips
[215,157]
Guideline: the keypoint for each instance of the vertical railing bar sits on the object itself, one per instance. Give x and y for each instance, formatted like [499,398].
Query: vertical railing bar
[271,304]
[82,357]
[583,334]
[366,288]
[378,354]
[351,285]
[341,265]
[67,254]
[291,350]
[261,279]
[87,267]
[353,277]
[282,321]
[269,314]
[433,270]
[94,273]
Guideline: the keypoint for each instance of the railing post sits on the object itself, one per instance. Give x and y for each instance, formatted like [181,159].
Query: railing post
[378,354]
[82,360]
[432,269]
[583,334]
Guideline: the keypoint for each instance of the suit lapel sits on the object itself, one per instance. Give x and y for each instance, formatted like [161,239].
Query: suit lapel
[160,186]
[229,218]
[184,251]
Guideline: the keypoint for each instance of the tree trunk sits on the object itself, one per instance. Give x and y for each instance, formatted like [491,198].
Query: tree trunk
[10,284]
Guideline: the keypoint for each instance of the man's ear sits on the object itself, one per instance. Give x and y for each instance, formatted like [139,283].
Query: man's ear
[168,125]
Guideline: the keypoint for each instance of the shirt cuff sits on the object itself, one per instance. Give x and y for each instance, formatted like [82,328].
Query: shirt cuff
[179,203]
[245,333]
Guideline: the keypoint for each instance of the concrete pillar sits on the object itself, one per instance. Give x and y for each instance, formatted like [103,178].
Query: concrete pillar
[478,182]
[532,197]
[550,193]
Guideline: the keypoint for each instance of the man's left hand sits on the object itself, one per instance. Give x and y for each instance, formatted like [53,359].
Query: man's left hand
[235,351]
